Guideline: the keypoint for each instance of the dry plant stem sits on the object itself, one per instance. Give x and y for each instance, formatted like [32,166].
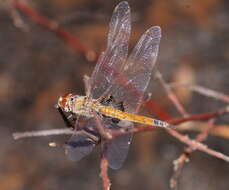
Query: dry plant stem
[18,22]
[171,95]
[65,131]
[184,157]
[203,90]
[54,27]
[197,145]
[217,130]
[179,163]
[104,173]
[199,117]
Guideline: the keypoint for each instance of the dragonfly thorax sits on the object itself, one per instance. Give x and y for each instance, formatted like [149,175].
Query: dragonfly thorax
[81,105]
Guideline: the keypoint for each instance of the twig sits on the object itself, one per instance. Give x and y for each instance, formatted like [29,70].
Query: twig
[65,131]
[196,145]
[198,117]
[54,27]
[179,163]
[203,90]
[184,157]
[18,22]
[217,130]
[171,95]
[104,173]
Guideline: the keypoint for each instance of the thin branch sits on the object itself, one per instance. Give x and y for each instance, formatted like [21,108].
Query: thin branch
[54,27]
[104,173]
[199,117]
[184,157]
[197,145]
[203,91]
[64,131]
[171,95]
[217,130]
[179,163]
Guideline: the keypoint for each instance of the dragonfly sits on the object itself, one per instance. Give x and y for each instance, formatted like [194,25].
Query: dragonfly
[114,92]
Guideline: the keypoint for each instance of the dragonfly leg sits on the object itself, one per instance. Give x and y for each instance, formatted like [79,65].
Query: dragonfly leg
[100,126]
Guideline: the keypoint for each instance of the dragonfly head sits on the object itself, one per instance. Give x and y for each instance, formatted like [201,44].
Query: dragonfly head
[66,101]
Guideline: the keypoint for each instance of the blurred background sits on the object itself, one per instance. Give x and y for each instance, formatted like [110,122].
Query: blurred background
[36,67]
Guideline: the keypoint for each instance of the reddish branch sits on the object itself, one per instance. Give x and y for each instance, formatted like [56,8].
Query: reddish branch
[104,173]
[199,117]
[54,27]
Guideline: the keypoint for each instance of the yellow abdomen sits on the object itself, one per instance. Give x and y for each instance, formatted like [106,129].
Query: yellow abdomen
[111,112]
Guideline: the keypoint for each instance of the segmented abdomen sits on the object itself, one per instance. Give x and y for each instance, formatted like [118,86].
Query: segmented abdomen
[111,112]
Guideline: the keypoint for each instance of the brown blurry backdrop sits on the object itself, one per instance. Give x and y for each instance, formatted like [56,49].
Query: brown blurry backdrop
[36,67]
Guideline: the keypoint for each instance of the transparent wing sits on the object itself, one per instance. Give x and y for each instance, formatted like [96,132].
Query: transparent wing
[111,61]
[82,144]
[79,146]
[136,74]
[116,151]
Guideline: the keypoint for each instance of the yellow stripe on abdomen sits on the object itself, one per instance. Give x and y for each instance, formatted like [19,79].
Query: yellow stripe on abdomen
[108,111]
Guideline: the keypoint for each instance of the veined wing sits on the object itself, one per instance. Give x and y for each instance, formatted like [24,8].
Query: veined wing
[79,146]
[82,144]
[136,74]
[111,61]
[117,150]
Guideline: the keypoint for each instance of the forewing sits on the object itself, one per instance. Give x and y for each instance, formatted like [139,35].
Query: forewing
[116,151]
[136,74]
[111,61]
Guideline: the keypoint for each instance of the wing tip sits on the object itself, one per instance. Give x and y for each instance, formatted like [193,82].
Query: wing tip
[123,5]
[154,31]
